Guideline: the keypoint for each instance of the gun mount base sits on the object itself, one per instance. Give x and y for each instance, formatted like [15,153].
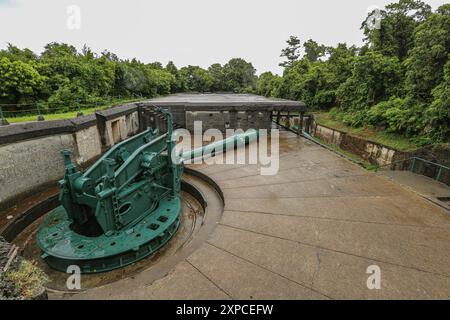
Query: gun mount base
[63,247]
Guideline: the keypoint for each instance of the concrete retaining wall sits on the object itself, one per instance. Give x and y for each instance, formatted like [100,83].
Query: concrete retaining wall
[329,135]
[373,152]
[379,154]
[30,153]
[222,111]
[26,165]
[88,145]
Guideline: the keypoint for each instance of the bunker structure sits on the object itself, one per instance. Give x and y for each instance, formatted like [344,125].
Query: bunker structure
[223,111]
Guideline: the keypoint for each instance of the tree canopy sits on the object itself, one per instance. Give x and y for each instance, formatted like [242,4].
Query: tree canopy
[61,76]
[397,81]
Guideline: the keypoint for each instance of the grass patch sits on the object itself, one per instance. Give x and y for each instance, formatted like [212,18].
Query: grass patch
[68,114]
[53,116]
[28,279]
[386,138]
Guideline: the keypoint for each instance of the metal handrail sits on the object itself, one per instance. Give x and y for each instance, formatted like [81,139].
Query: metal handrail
[416,158]
[430,162]
[413,165]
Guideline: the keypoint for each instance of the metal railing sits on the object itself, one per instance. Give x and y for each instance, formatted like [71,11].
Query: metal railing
[421,166]
[10,111]
[436,171]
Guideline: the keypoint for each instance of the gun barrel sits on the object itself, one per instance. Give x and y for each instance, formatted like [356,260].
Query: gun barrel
[218,147]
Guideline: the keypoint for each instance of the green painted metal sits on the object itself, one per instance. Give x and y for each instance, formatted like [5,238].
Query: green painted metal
[221,146]
[63,247]
[413,164]
[122,209]
[439,174]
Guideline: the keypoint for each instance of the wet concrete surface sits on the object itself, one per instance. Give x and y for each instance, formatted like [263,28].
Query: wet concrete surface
[309,232]
[429,188]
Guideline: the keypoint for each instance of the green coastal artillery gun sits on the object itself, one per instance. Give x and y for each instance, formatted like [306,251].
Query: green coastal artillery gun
[123,208]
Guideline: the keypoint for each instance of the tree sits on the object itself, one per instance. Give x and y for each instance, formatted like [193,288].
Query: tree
[374,78]
[437,116]
[196,79]
[13,53]
[239,75]
[217,73]
[291,52]
[398,22]
[133,78]
[159,82]
[292,75]
[155,65]
[314,51]
[177,85]
[340,63]
[73,76]
[145,80]
[267,84]
[19,81]
[314,81]
[55,49]
[110,56]
[426,61]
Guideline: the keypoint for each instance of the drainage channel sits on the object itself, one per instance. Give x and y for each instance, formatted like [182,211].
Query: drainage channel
[202,207]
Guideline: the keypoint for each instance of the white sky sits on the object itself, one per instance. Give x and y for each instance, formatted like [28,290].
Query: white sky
[196,32]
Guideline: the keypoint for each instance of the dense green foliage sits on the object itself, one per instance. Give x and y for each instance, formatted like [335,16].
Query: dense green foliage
[398,82]
[61,78]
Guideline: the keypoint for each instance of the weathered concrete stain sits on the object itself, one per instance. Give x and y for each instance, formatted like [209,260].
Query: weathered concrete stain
[373,152]
[28,164]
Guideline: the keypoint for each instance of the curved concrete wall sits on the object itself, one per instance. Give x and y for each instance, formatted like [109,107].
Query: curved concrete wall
[30,153]
[28,164]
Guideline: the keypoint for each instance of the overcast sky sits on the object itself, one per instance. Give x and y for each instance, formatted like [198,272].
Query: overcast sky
[196,32]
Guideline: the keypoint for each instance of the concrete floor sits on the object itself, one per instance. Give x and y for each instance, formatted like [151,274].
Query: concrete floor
[309,232]
[221,99]
[425,186]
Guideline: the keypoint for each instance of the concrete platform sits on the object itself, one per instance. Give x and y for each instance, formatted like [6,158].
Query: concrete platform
[223,100]
[309,232]
[429,188]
